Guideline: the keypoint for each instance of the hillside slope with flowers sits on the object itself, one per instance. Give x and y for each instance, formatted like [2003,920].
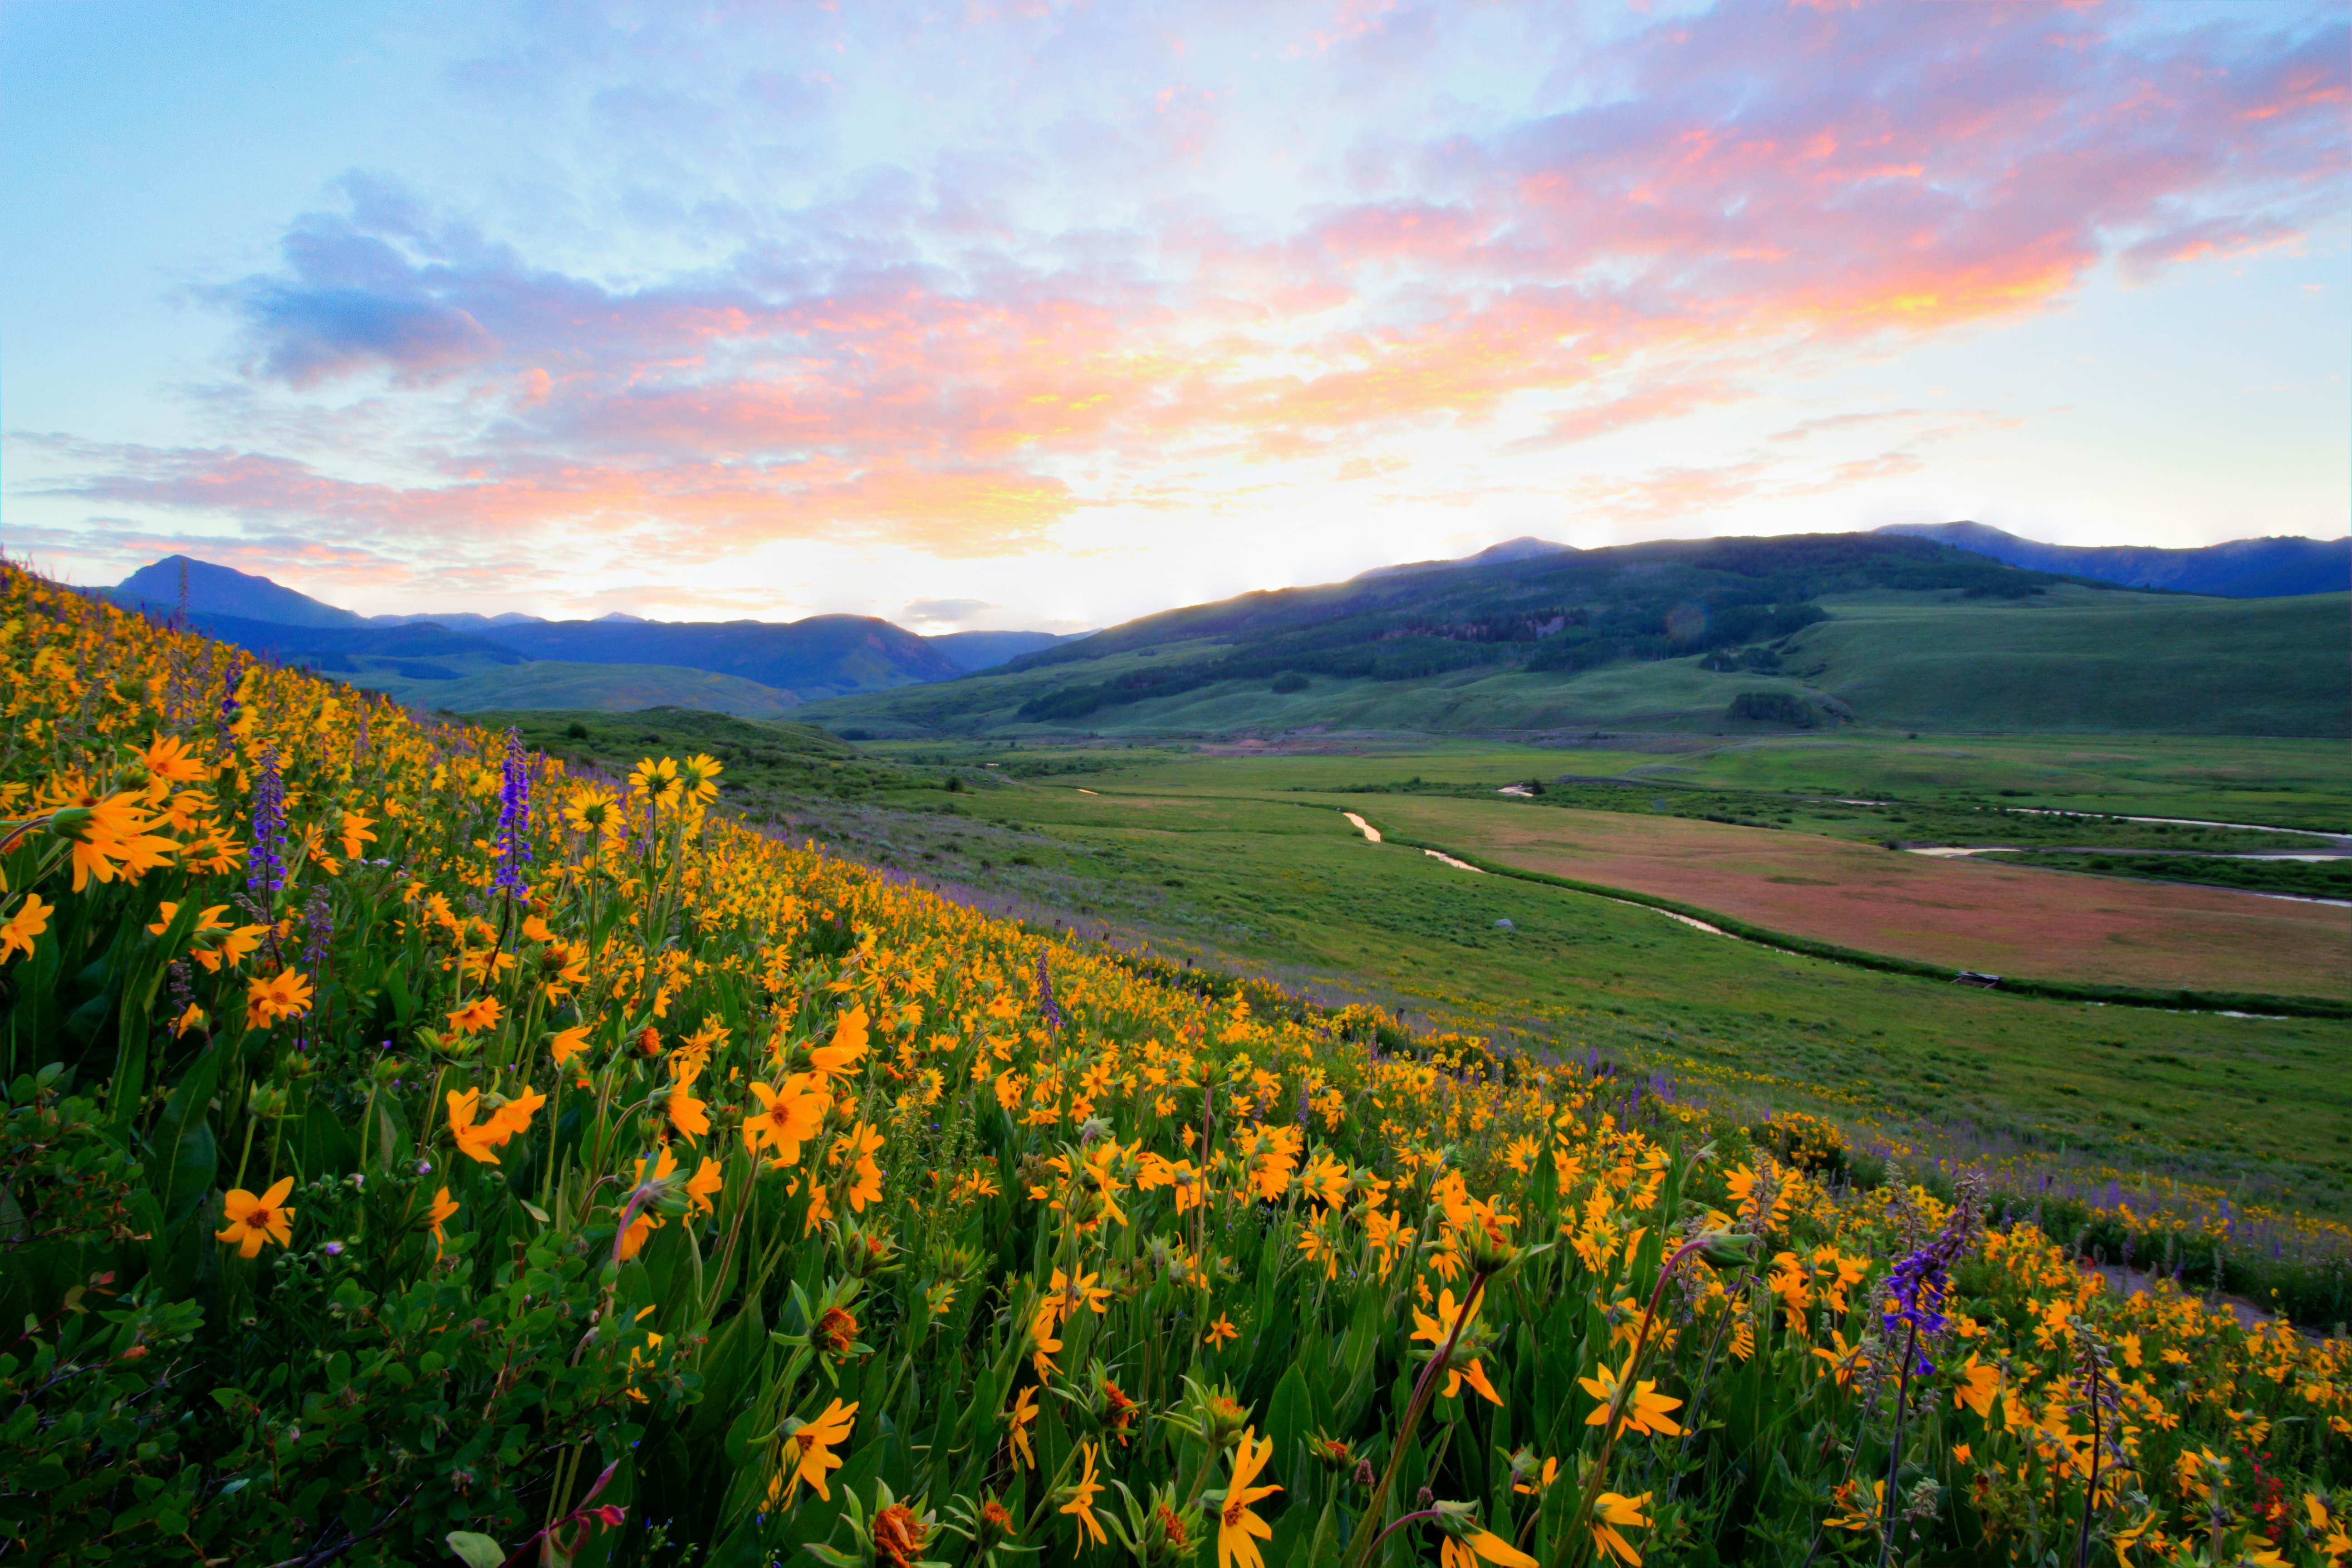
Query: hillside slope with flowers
[413,1153]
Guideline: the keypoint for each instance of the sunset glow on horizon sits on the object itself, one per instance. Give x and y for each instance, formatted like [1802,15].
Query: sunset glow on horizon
[1048,316]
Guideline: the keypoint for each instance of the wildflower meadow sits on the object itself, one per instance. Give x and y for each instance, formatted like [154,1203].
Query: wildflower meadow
[413,1153]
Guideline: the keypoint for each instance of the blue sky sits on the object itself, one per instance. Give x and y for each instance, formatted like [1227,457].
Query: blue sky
[1046,315]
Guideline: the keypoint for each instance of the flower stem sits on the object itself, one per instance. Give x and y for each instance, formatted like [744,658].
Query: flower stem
[1360,1550]
[2090,1492]
[1894,1454]
[1400,1524]
[1588,1488]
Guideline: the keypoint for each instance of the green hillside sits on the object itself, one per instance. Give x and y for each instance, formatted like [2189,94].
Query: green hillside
[2066,657]
[2084,660]
[474,686]
[765,762]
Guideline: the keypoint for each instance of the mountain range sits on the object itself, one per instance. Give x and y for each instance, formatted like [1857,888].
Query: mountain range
[1722,636]
[1508,632]
[467,661]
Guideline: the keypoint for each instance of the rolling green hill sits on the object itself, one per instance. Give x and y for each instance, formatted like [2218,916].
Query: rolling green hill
[472,686]
[1724,636]
[2079,661]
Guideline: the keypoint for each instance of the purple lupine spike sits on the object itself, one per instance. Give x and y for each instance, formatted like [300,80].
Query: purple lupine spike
[1045,1003]
[1922,1282]
[319,928]
[513,838]
[266,864]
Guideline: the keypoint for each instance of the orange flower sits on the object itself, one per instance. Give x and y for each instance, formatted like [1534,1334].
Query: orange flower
[475,1141]
[1236,1524]
[858,1146]
[285,995]
[253,1220]
[31,919]
[111,839]
[232,948]
[168,758]
[847,1049]
[708,1180]
[809,1449]
[482,1012]
[1024,1411]
[1081,1506]
[514,1116]
[569,1043]
[690,1116]
[1645,1408]
[355,833]
[444,1205]
[788,1116]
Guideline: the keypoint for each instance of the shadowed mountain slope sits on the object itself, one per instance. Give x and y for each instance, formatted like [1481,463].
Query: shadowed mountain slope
[2242,569]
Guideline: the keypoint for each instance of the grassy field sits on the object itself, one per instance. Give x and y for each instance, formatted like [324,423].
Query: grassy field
[2290,878]
[2292,783]
[1960,912]
[2080,659]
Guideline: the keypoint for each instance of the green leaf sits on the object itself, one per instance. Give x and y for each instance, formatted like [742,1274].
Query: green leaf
[1289,1530]
[133,1027]
[180,1158]
[1287,1417]
[477,1550]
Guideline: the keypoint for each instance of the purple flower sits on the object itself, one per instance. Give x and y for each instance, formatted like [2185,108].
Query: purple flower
[1919,1285]
[1045,1004]
[1922,1282]
[514,816]
[319,928]
[266,864]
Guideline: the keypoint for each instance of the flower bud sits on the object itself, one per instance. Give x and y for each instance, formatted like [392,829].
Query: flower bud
[1488,1248]
[1331,1453]
[1724,1249]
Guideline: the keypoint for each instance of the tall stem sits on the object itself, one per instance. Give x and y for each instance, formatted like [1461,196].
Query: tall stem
[1894,1454]
[1588,1488]
[1400,1524]
[1360,1549]
[2090,1493]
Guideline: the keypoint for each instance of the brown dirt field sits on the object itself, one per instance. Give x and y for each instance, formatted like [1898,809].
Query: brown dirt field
[2001,920]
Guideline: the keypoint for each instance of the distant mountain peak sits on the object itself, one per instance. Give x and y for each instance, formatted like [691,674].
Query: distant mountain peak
[2275,567]
[1527,547]
[223,590]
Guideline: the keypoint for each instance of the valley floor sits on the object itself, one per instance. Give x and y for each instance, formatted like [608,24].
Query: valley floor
[1997,919]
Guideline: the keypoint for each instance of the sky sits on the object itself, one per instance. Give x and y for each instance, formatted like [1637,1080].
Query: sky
[1045,315]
